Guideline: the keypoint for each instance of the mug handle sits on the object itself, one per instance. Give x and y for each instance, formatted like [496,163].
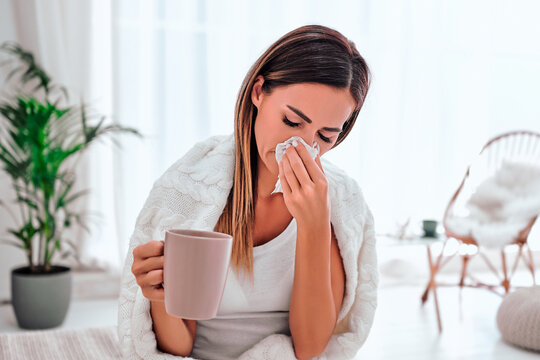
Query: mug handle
[162,284]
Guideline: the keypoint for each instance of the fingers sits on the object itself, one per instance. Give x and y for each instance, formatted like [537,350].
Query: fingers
[151,284]
[150,249]
[318,161]
[284,184]
[143,266]
[147,267]
[312,169]
[289,174]
[154,293]
[297,164]
[153,278]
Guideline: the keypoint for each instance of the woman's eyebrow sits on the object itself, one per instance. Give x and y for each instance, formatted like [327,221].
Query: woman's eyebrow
[308,120]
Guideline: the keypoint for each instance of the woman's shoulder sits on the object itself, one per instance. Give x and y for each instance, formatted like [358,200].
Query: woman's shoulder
[193,187]
[208,161]
[337,177]
[207,150]
[342,186]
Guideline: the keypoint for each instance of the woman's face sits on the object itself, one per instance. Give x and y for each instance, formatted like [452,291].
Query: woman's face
[313,111]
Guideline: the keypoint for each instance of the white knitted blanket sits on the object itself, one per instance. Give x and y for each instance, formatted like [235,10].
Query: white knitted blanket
[192,193]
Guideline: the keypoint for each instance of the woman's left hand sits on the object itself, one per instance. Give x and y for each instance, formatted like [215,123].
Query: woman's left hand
[305,188]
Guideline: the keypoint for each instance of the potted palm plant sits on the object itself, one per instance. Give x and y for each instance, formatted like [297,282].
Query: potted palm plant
[39,138]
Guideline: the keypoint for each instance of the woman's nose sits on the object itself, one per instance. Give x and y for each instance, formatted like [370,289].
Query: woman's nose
[307,135]
[309,139]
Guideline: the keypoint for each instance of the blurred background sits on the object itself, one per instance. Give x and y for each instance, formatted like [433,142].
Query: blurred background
[447,77]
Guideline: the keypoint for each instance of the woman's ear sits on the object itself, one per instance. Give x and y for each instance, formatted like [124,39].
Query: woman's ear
[256,91]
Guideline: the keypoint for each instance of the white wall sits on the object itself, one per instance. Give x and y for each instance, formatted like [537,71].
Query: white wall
[10,256]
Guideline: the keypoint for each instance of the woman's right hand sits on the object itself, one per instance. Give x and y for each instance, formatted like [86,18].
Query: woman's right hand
[148,269]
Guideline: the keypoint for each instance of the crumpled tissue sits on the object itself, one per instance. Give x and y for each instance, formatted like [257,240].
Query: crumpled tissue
[293,141]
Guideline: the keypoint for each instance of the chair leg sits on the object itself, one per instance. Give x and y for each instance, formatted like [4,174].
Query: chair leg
[465,261]
[505,283]
[519,255]
[434,267]
[531,264]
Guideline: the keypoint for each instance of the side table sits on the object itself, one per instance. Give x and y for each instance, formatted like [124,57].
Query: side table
[436,260]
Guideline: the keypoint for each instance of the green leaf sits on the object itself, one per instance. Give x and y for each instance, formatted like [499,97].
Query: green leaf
[12,73]
[70,243]
[60,201]
[79,220]
[17,234]
[27,201]
[76,196]
[13,243]
[31,70]
[36,138]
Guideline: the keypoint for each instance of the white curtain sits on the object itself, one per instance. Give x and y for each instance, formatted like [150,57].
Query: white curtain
[178,68]
[447,76]
[71,40]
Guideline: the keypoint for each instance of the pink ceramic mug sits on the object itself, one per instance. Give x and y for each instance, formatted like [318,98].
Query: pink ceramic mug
[195,268]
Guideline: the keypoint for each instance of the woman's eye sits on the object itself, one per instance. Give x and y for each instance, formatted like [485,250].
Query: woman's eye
[324,138]
[293,124]
[290,123]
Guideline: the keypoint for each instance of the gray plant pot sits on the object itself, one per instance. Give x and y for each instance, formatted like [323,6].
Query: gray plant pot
[40,300]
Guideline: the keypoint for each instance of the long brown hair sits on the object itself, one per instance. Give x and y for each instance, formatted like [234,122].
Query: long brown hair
[311,53]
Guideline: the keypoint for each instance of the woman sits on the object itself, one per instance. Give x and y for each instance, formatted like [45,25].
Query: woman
[311,83]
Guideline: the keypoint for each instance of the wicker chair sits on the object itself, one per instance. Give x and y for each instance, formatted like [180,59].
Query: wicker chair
[516,145]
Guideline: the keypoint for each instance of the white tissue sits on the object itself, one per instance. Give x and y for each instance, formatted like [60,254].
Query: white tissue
[280,150]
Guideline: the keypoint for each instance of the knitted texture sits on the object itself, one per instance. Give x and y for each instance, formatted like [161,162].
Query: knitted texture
[61,344]
[518,318]
[192,194]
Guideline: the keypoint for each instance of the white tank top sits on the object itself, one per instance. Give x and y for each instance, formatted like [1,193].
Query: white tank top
[247,314]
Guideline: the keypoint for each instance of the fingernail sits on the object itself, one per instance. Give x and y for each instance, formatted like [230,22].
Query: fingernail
[295,143]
